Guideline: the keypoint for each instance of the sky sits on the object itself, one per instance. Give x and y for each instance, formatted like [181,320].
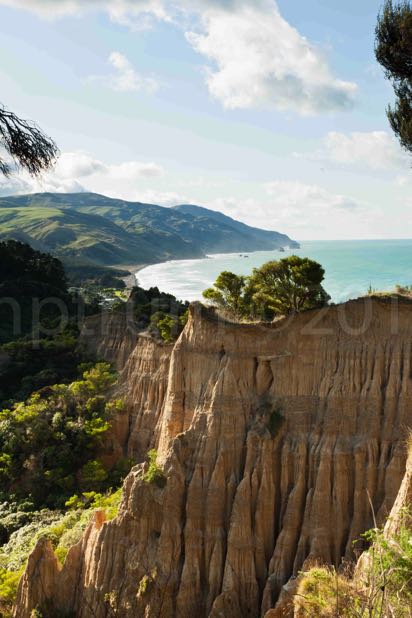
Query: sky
[271,112]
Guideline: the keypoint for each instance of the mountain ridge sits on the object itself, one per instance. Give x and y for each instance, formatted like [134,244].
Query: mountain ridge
[107,231]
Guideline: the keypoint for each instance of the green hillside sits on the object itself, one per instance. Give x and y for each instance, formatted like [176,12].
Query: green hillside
[92,228]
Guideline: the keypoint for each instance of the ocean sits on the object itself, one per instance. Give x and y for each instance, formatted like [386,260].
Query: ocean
[351,267]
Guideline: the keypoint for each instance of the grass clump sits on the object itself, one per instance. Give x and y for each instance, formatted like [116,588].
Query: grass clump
[154,473]
[323,592]
[383,588]
[146,583]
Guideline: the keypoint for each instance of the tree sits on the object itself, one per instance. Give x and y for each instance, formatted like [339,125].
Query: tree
[228,293]
[393,50]
[26,144]
[289,285]
[276,288]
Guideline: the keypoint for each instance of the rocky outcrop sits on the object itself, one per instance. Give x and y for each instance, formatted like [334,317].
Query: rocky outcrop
[111,336]
[403,502]
[39,580]
[146,378]
[271,438]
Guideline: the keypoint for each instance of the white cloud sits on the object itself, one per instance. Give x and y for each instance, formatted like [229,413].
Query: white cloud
[125,78]
[307,211]
[257,57]
[134,14]
[299,210]
[78,171]
[261,60]
[81,165]
[377,150]
[161,198]
[293,196]
[77,164]
[13,185]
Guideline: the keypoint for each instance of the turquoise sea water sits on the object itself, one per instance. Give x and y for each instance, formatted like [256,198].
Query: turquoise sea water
[351,267]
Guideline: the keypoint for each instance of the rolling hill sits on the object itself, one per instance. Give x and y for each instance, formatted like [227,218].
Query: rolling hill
[94,229]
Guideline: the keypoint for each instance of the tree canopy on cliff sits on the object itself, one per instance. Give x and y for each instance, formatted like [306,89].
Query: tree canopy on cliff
[393,50]
[228,292]
[287,286]
[277,288]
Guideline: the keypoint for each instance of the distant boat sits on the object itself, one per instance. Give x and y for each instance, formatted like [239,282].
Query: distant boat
[245,256]
[281,249]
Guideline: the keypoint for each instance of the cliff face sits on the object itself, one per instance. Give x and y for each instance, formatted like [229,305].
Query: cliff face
[270,437]
[110,336]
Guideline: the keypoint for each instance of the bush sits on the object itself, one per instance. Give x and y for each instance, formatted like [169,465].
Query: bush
[385,591]
[162,313]
[167,327]
[154,473]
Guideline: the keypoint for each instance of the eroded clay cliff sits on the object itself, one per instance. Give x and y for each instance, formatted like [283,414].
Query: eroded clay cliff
[270,438]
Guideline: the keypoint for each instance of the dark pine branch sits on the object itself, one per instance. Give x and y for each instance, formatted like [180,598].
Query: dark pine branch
[26,144]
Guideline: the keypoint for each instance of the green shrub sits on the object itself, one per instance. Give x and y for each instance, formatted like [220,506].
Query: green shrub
[384,590]
[9,581]
[167,327]
[146,583]
[154,473]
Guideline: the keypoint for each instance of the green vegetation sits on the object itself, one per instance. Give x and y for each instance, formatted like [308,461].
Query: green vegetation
[154,473]
[40,320]
[93,276]
[385,588]
[32,365]
[146,583]
[230,293]
[161,313]
[393,51]
[33,289]
[168,327]
[48,445]
[275,289]
[404,290]
[63,530]
[90,229]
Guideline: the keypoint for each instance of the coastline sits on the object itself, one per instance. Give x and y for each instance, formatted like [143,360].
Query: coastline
[352,267]
[131,279]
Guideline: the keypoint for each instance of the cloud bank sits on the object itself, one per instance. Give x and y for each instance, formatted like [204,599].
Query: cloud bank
[376,150]
[260,60]
[255,57]
[79,171]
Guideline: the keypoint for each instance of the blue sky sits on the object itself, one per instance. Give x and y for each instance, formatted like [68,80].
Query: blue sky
[271,113]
